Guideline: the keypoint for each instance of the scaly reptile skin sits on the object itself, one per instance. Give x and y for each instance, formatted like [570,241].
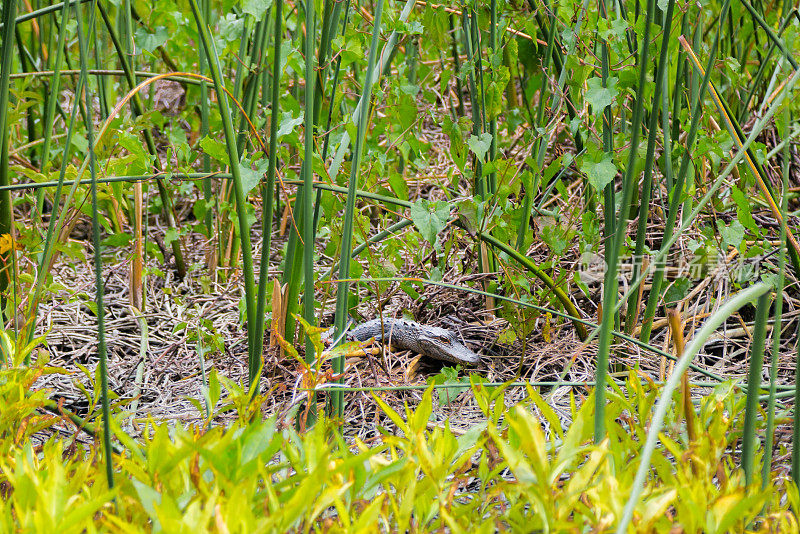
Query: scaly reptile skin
[407,335]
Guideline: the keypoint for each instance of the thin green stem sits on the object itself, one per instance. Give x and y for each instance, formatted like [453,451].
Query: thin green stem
[254,360]
[98,261]
[343,287]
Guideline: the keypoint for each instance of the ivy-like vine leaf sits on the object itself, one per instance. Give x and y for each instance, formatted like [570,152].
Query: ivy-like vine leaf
[743,209]
[289,123]
[215,149]
[480,144]
[257,8]
[251,177]
[600,173]
[677,291]
[598,96]
[454,131]
[430,218]
[150,41]
[732,235]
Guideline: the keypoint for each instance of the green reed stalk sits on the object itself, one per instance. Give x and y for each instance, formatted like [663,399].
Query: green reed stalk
[308,176]
[238,77]
[493,42]
[55,223]
[335,83]
[477,50]
[472,46]
[55,87]
[343,287]
[49,101]
[540,145]
[559,64]
[208,194]
[680,82]
[330,20]
[677,189]
[9,23]
[669,173]
[293,264]
[694,84]
[769,432]
[479,187]
[268,189]
[293,261]
[774,37]
[246,82]
[254,360]
[98,261]
[251,81]
[755,83]
[609,193]
[138,109]
[456,66]
[102,91]
[756,365]
[652,128]
[26,63]
[385,57]
[611,283]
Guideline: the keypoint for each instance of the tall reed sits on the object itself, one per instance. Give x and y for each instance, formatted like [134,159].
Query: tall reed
[9,24]
[254,360]
[611,282]
[343,287]
[91,37]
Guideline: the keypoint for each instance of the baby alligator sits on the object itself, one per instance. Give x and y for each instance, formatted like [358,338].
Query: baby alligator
[407,335]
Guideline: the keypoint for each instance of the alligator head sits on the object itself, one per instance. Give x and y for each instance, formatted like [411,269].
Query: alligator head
[445,345]
[431,341]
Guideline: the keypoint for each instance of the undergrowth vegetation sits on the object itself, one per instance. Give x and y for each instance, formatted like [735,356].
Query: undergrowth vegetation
[198,199]
[516,471]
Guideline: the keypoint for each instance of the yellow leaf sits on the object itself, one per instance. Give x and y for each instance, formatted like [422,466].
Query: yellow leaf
[5,243]
[546,328]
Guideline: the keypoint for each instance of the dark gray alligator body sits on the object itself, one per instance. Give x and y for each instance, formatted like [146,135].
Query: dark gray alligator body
[407,335]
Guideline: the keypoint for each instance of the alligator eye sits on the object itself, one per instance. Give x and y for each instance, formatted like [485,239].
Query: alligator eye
[443,339]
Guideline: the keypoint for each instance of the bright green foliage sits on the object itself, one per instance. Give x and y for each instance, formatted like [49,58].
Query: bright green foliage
[518,470]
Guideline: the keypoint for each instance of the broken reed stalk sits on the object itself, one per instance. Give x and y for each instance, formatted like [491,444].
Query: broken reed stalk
[676,327]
